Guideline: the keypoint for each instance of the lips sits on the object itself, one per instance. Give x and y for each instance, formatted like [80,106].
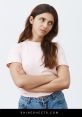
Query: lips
[43,31]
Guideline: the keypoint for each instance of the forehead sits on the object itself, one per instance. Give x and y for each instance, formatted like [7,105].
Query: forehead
[47,16]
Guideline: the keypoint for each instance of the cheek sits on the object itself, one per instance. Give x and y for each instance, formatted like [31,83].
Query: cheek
[49,29]
[36,25]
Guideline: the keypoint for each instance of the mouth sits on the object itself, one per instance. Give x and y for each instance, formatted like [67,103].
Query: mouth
[43,31]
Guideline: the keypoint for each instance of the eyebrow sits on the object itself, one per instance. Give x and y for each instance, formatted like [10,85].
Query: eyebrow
[45,19]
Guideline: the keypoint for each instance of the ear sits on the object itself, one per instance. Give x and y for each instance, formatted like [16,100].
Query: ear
[31,19]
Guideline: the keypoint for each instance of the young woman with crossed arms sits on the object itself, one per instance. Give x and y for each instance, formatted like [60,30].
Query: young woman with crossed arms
[37,65]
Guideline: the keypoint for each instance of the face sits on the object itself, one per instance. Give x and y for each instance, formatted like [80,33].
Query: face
[42,24]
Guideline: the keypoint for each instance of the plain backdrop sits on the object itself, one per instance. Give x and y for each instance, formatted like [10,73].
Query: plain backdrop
[13,14]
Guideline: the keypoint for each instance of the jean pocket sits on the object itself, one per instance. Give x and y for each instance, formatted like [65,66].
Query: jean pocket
[59,101]
[24,102]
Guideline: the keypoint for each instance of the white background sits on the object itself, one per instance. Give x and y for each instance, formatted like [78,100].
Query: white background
[13,14]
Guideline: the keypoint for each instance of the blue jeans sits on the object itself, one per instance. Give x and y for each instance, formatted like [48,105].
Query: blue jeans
[54,101]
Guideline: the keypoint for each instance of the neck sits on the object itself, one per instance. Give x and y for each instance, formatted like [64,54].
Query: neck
[37,38]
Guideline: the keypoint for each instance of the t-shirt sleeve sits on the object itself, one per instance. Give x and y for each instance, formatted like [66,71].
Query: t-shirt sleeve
[14,55]
[61,57]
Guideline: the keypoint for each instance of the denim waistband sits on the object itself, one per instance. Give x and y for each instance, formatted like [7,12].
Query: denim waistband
[53,95]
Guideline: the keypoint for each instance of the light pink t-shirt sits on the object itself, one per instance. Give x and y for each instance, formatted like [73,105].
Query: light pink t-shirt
[29,54]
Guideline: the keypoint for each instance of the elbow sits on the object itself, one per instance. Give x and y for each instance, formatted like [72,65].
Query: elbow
[19,84]
[66,84]
[22,84]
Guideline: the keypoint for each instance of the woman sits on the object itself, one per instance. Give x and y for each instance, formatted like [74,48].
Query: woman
[37,65]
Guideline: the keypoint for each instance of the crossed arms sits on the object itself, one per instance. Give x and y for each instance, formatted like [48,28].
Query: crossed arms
[40,83]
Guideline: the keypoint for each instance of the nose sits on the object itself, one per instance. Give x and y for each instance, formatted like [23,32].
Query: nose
[45,25]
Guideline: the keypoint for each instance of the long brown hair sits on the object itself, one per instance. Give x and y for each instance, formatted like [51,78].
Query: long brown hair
[48,47]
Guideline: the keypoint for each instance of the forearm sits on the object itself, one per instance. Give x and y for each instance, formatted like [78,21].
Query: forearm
[40,83]
[27,81]
[30,81]
[53,86]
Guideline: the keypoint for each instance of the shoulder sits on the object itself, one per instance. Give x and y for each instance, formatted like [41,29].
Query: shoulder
[58,45]
[59,48]
[19,46]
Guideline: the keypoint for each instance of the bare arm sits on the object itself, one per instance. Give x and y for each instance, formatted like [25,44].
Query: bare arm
[26,81]
[60,83]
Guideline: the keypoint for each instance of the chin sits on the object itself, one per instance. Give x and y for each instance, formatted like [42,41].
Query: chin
[42,35]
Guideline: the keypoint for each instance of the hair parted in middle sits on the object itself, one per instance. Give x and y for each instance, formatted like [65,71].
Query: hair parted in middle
[49,48]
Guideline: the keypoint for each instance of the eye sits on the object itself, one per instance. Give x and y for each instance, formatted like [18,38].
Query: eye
[50,23]
[42,19]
